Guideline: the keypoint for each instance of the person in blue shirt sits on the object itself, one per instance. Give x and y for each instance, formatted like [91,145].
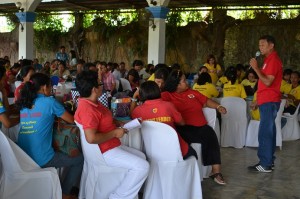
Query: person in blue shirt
[62,55]
[38,110]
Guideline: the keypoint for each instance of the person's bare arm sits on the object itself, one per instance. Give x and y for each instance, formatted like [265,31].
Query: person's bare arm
[212,104]
[8,122]
[94,137]
[67,117]
[266,79]
[133,103]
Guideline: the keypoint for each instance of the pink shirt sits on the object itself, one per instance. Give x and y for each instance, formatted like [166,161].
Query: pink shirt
[108,80]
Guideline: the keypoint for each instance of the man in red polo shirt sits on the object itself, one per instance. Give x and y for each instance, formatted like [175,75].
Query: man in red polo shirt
[268,100]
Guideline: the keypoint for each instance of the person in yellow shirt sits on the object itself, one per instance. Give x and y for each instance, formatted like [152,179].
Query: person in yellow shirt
[221,81]
[286,79]
[250,82]
[214,69]
[205,87]
[233,88]
[292,92]
[202,69]
[254,109]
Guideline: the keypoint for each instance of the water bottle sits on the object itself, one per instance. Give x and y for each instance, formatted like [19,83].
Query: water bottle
[113,106]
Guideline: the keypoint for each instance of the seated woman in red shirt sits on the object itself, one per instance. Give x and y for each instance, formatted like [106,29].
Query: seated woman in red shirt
[190,103]
[99,128]
[155,109]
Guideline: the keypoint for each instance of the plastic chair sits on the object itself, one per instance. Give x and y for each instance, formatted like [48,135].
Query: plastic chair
[291,131]
[22,177]
[252,131]
[54,80]
[98,180]
[170,176]
[125,84]
[234,122]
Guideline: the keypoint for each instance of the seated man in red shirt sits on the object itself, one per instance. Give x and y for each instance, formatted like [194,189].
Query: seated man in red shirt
[99,128]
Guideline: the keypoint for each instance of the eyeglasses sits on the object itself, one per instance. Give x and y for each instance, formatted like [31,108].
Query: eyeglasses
[100,84]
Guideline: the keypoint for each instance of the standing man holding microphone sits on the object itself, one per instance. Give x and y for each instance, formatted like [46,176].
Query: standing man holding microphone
[268,100]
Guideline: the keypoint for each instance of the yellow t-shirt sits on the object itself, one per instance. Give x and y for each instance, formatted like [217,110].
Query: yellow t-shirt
[255,113]
[246,82]
[151,78]
[213,72]
[283,86]
[296,93]
[235,90]
[209,90]
[221,81]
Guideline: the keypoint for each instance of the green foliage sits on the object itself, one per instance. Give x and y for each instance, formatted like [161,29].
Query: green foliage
[48,32]
[111,18]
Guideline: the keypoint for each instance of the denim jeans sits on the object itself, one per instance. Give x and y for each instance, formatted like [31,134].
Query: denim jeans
[267,133]
[74,164]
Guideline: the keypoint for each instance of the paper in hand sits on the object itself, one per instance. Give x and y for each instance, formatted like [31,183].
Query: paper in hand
[132,124]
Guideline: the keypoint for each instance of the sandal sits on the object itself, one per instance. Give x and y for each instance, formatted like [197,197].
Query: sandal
[218,178]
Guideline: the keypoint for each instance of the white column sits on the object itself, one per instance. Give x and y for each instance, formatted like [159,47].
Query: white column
[157,34]
[26,32]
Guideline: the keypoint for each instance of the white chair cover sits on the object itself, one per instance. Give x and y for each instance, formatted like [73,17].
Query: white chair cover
[98,180]
[234,122]
[170,176]
[252,131]
[125,84]
[22,177]
[291,131]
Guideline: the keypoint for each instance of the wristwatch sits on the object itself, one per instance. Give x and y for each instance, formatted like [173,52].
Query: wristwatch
[134,100]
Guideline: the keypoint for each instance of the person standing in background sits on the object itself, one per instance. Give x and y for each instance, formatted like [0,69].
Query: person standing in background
[62,55]
[123,70]
[214,69]
[268,100]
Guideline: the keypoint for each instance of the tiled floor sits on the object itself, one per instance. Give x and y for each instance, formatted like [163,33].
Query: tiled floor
[282,183]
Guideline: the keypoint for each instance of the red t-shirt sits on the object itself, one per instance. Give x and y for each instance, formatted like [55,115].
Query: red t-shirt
[96,116]
[272,66]
[17,92]
[189,103]
[161,111]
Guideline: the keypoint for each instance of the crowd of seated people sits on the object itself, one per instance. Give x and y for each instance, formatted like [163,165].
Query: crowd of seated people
[169,95]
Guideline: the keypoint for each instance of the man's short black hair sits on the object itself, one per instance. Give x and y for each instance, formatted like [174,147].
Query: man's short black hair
[269,38]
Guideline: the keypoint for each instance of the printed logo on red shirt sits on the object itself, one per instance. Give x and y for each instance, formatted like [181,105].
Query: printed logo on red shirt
[191,96]
[154,110]
[264,66]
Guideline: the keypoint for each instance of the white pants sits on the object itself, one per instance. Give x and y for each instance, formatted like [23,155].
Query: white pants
[138,168]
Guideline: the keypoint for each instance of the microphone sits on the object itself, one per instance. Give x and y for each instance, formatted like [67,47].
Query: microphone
[257,54]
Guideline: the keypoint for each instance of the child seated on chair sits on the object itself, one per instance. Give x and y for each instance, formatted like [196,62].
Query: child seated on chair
[99,128]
